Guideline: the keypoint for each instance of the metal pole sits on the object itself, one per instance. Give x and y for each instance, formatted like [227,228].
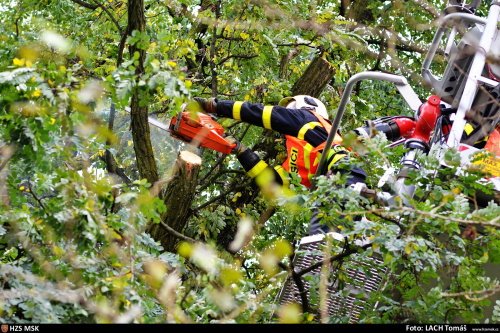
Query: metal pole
[398,80]
[437,38]
[475,72]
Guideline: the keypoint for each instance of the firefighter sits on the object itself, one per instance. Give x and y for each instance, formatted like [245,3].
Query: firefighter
[304,122]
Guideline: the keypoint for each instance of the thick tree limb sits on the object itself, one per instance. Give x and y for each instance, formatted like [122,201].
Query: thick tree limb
[6,153]
[177,195]
[138,111]
[266,215]
[315,78]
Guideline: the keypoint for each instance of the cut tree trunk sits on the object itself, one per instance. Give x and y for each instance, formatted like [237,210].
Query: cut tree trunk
[177,195]
[315,78]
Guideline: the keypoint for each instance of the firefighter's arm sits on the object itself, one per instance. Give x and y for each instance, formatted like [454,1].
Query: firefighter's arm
[277,118]
[338,154]
[255,166]
[297,123]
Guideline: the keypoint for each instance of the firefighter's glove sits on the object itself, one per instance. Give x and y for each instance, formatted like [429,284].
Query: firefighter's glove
[239,148]
[208,105]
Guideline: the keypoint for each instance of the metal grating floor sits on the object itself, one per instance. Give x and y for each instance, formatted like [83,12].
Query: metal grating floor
[349,300]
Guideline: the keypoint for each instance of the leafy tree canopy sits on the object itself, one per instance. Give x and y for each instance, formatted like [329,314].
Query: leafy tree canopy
[92,229]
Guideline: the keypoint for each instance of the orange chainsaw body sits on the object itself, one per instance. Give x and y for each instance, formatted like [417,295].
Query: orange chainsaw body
[200,129]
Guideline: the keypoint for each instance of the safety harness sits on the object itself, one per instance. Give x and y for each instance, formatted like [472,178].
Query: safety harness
[303,158]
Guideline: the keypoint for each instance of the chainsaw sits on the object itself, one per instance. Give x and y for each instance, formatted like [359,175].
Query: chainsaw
[196,128]
[200,129]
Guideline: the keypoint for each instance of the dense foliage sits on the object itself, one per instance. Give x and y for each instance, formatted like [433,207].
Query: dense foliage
[76,198]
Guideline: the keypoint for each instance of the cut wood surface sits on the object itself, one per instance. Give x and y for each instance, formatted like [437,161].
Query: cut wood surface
[177,195]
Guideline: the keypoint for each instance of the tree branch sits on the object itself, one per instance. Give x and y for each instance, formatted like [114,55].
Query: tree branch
[266,215]
[36,197]
[237,56]
[427,7]
[297,279]
[468,294]
[206,181]
[85,4]
[491,223]
[111,16]
[121,47]
[213,50]
[111,119]
[399,47]
[308,44]
[222,195]
[204,184]
[112,166]
[340,256]
[176,233]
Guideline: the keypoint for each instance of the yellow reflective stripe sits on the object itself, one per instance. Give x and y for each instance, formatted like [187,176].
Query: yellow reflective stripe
[305,128]
[257,168]
[307,152]
[266,116]
[468,129]
[237,110]
[283,174]
[336,157]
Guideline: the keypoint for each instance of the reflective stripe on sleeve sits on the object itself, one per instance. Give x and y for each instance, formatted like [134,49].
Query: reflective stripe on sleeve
[337,154]
[283,174]
[303,130]
[237,110]
[266,116]
[258,168]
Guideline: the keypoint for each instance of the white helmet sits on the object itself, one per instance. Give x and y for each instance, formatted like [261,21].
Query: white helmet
[305,101]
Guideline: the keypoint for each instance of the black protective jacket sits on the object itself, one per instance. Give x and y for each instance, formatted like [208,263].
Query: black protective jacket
[294,122]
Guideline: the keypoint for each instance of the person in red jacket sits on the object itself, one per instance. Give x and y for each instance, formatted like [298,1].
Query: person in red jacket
[304,122]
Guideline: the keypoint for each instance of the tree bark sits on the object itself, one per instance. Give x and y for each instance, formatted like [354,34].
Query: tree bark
[357,10]
[138,112]
[360,12]
[177,195]
[6,153]
[315,78]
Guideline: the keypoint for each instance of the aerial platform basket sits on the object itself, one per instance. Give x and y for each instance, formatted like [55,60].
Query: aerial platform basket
[349,285]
